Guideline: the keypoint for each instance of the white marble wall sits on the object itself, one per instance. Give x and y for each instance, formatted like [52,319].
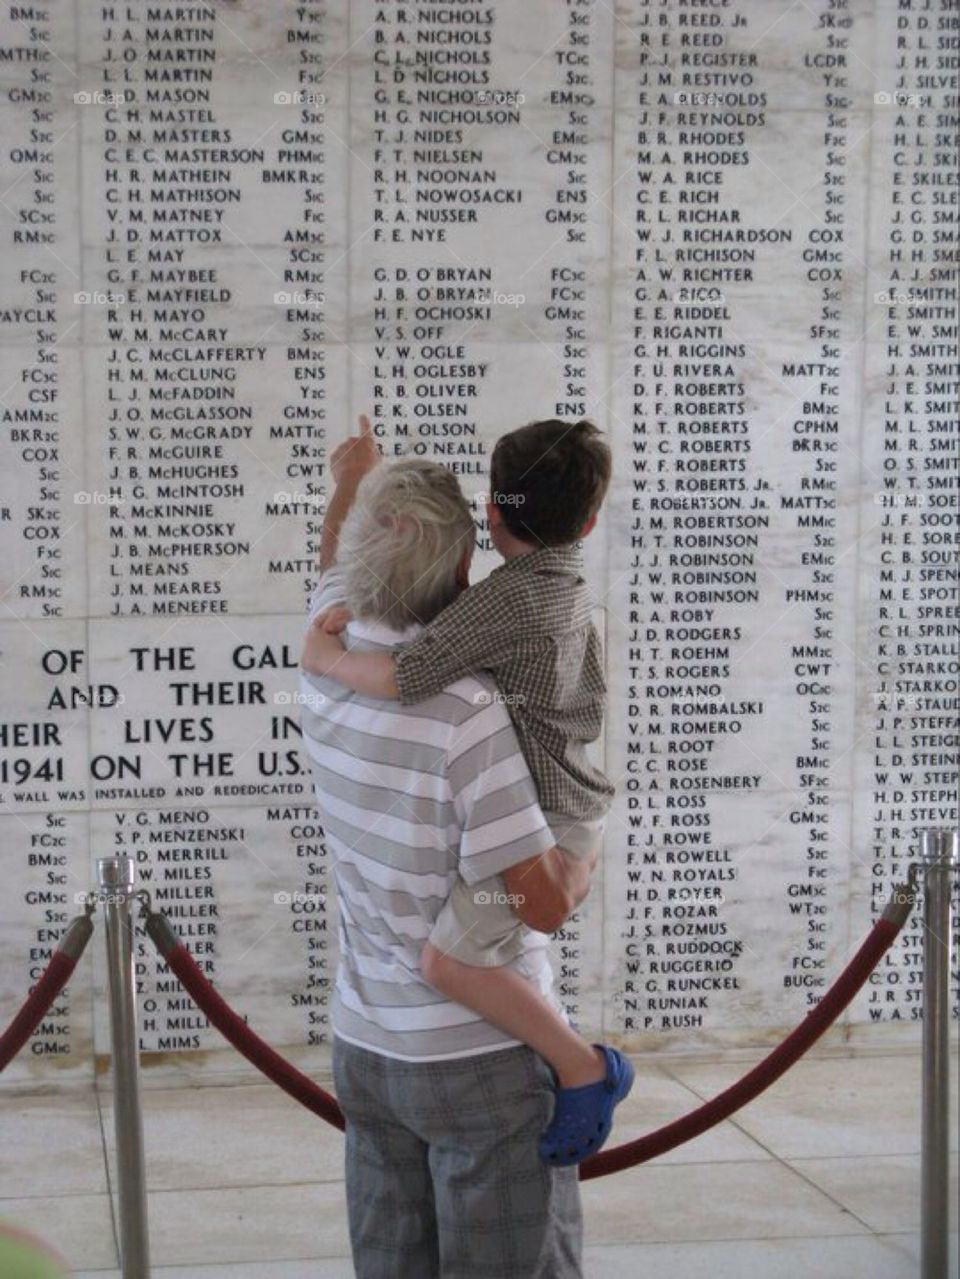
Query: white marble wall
[727,233]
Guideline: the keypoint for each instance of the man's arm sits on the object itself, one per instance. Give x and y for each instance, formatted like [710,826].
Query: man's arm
[547,889]
[349,463]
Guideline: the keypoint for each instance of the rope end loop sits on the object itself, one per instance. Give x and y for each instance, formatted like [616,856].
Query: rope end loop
[74,940]
[160,931]
[902,899]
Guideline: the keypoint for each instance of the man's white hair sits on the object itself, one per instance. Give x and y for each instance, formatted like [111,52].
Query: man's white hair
[401,542]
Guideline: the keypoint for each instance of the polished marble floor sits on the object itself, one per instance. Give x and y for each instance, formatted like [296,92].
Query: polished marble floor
[817,1179]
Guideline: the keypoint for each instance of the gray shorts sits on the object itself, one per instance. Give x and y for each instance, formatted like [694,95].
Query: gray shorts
[443,1176]
[477,923]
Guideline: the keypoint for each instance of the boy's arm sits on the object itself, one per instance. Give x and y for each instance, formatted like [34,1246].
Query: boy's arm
[368,673]
[475,632]
[478,631]
[349,463]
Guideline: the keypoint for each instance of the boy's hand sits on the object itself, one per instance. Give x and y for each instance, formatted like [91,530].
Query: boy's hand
[321,649]
[333,620]
[358,454]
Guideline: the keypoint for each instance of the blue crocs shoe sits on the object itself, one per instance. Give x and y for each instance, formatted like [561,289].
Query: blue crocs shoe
[583,1116]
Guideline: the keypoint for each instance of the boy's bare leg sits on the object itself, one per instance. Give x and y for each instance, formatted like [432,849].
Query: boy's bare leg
[502,996]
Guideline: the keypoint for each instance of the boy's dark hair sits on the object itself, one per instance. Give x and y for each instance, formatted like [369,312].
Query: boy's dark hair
[548,478]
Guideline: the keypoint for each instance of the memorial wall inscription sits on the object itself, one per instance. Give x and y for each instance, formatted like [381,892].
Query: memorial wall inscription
[727,232]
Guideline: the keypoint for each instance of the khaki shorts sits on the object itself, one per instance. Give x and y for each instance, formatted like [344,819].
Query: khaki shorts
[477,923]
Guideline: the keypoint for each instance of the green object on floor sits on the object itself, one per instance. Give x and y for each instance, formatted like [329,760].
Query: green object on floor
[24,1256]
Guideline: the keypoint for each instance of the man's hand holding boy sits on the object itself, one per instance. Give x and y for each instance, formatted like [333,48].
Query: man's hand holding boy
[323,648]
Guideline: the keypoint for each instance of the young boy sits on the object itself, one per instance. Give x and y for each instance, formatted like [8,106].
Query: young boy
[529,624]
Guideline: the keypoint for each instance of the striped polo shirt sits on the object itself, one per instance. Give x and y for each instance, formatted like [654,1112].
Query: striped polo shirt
[410,797]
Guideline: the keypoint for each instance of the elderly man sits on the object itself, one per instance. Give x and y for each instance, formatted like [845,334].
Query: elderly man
[443,1110]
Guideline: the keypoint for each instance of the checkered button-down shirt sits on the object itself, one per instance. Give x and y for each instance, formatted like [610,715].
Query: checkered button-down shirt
[529,624]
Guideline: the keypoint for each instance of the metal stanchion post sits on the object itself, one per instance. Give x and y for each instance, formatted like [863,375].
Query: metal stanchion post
[115,881]
[939,851]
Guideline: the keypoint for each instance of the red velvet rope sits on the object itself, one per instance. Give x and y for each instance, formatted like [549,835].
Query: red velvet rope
[235,1029]
[817,1020]
[36,1005]
[311,1095]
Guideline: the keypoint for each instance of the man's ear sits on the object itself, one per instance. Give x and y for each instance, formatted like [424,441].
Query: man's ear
[494,515]
[588,527]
